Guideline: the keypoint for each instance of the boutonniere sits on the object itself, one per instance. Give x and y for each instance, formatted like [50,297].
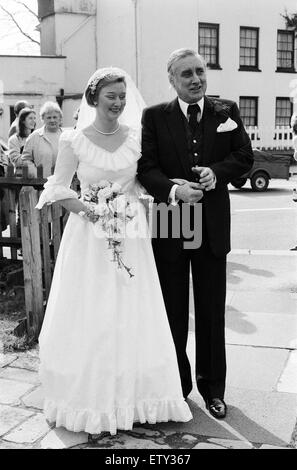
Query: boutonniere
[221,110]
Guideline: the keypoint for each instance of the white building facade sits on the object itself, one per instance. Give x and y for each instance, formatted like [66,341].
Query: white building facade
[248,45]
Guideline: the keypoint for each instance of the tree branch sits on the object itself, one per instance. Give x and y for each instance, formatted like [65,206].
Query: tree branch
[18,26]
[29,9]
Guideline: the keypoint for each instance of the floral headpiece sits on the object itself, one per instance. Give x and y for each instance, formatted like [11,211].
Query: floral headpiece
[103,73]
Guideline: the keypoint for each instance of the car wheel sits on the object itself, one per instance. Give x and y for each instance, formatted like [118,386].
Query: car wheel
[259,181]
[238,183]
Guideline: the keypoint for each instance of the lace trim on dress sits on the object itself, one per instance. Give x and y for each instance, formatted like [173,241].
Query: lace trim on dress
[124,156]
[54,192]
[121,418]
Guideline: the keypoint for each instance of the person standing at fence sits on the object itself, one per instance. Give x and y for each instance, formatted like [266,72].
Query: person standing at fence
[25,126]
[3,202]
[19,105]
[41,147]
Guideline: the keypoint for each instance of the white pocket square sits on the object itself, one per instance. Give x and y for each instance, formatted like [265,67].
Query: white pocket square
[227,126]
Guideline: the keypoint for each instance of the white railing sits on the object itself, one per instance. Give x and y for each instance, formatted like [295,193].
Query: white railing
[279,138]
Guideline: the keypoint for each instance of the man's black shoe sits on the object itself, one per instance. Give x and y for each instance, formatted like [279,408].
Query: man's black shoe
[217,407]
[293,249]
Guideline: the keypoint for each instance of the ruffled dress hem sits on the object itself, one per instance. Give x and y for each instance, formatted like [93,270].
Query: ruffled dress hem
[120,418]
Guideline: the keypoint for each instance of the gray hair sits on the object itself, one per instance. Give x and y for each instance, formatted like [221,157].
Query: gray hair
[181,54]
[49,106]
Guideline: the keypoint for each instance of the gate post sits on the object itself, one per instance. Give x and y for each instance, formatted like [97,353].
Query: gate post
[32,261]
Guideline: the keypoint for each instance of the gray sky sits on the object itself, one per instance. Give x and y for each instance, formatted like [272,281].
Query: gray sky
[11,40]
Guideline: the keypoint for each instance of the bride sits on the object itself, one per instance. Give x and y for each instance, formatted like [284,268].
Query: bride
[107,358]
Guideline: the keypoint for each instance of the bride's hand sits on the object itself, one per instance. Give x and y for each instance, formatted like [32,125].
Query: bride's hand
[91,216]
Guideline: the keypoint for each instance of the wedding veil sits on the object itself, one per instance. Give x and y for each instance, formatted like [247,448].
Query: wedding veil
[135,104]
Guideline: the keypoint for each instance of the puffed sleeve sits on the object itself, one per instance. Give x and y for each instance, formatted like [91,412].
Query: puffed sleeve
[57,186]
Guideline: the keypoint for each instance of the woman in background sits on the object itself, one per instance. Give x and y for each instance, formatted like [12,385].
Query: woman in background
[25,126]
[41,148]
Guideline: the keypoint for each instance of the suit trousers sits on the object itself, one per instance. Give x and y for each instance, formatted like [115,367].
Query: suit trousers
[209,288]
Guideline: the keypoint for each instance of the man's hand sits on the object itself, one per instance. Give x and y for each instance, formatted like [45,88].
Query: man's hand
[179,181]
[207,177]
[189,192]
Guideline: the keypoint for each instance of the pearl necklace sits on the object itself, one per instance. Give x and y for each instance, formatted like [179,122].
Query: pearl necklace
[106,133]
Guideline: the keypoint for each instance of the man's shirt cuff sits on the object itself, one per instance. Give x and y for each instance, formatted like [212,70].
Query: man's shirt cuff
[171,198]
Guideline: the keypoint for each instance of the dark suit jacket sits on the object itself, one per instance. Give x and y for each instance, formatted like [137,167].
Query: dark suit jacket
[165,155]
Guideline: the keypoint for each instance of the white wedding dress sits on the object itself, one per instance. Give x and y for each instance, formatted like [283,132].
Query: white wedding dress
[107,358]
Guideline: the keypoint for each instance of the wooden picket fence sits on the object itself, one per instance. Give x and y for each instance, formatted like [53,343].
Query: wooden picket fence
[38,236]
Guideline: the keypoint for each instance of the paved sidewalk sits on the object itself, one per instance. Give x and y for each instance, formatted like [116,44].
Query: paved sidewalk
[261,334]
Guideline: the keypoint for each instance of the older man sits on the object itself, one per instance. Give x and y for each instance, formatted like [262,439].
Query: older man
[192,148]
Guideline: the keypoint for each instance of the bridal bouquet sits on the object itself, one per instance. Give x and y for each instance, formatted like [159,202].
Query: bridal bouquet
[106,200]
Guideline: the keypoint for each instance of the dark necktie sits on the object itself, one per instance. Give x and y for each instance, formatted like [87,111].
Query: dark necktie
[194,113]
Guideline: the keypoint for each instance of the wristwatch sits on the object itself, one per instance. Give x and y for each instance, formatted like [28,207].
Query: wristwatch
[81,213]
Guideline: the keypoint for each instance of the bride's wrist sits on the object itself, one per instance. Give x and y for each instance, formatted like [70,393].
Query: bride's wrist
[88,214]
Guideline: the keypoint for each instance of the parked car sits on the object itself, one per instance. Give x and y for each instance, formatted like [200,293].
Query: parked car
[266,166]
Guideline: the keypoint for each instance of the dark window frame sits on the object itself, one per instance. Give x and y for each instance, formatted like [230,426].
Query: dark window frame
[256,99]
[292,68]
[250,68]
[284,98]
[216,26]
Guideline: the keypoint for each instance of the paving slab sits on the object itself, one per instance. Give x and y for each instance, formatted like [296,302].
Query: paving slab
[13,446]
[206,445]
[34,399]
[288,378]
[231,444]
[260,273]
[6,359]
[128,441]
[30,362]
[258,368]
[266,446]
[263,417]
[60,438]
[242,220]
[11,416]
[21,375]
[260,329]
[11,391]
[29,431]
[255,368]
[264,302]
[253,416]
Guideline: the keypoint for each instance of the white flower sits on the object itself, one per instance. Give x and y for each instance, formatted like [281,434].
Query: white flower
[130,211]
[116,187]
[120,204]
[103,184]
[105,192]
